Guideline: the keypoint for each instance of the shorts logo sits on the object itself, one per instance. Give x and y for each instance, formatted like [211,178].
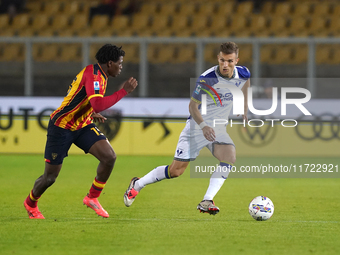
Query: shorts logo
[54,155]
[96,87]
[179,151]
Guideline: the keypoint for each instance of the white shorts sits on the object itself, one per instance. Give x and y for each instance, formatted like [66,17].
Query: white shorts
[191,141]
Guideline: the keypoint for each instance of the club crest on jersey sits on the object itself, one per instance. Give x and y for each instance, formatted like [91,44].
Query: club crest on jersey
[179,151]
[96,87]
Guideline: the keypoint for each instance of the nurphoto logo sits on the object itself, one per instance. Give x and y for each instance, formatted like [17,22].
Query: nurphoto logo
[238,104]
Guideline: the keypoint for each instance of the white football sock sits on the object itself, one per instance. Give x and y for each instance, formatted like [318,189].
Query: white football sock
[156,175]
[216,181]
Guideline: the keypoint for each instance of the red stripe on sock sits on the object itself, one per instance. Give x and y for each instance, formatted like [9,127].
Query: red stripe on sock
[99,181]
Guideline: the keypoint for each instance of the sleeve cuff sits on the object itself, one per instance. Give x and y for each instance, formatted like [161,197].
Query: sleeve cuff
[95,95]
[195,100]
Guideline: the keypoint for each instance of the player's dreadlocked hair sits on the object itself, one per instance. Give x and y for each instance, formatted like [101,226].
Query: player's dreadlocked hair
[229,48]
[109,52]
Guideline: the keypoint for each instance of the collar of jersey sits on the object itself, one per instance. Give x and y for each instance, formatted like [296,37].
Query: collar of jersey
[225,77]
[103,73]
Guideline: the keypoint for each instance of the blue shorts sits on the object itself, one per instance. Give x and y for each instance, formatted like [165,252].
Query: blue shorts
[59,141]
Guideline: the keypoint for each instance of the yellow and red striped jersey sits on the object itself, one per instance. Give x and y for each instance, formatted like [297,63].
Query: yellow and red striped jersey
[75,111]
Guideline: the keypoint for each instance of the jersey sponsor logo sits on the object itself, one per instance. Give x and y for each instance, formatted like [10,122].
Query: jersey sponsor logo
[226,96]
[210,94]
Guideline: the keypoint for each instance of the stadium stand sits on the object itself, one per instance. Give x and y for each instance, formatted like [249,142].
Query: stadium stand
[4,21]
[59,23]
[131,53]
[277,25]
[258,25]
[301,9]
[118,24]
[335,55]
[51,8]
[185,54]
[70,8]
[321,10]
[282,9]
[267,8]
[199,24]
[11,52]
[300,54]
[298,27]
[168,9]
[225,8]
[159,24]
[70,53]
[187,9]
[206,9]
[161,53]
[267,52]
[245,8]
[40,22]
[317,26]
[239,26]
[177,18]
[323,54]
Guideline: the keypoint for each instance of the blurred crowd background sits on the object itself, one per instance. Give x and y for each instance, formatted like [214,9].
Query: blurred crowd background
[171,65]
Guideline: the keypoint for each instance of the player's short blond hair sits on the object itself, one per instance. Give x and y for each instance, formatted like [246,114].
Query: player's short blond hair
[229,48]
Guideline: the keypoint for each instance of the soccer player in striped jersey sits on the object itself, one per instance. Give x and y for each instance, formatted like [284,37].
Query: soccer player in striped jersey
[73,121]
[200,132]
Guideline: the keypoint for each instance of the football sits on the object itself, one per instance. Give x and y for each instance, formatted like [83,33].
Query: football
[261,208]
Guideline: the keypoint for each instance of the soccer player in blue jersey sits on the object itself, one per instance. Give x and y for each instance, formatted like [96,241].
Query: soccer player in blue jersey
[199,129]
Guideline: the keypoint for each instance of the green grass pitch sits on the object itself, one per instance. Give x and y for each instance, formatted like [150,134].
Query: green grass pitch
[164,219]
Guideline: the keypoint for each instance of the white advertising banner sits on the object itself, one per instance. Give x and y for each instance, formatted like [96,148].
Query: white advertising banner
[163,107]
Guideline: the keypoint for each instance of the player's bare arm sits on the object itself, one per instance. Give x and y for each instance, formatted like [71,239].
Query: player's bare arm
[208,132]
[100,104]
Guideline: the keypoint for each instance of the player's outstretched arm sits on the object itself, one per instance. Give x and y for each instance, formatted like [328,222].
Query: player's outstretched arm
[102,103]
[208,132]
[130,85]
